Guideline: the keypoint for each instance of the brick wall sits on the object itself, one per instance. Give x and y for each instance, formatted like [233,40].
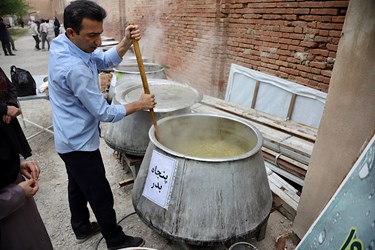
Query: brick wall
[39,9]
[58,7]
[198,40]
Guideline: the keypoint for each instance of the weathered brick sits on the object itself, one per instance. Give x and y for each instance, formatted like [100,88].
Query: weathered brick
[283,52]
[295,42]
[286,4]
[309,18]
[323,87]
[267,70]
[289,71]
[335,33]
[287,29]
[292,60]
[327,73]
[336,4]
[332,54]
[269,66]
[307,30]
[282,75]
[252,16]
[311,4]
[321,39]
[328,26]
[332,47]
[313,83]
[308,44]
[303,68]
[301,11]
[312,24]
[319,65]
[264,5]
[319,52]
[323,32]
[298,29]
[300,80]
[324,11]
[335,40]
[282,63]
[338,19]
[343,12]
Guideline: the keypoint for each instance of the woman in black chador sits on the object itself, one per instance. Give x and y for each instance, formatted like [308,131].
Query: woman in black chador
[21,226]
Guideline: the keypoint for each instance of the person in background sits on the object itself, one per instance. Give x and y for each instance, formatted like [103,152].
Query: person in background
[21,226]
[76,100]
[50,32]
[10,38]
[56,23]
[9,109]
[61,29]
[4,37]
[34,30]
[43,33]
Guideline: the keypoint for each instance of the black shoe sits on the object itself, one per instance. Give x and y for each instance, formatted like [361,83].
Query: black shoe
[94,229]
[12,54]
[6,55]
[129,242]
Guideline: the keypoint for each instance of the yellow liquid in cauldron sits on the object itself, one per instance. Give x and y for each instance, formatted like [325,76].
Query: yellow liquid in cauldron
[212,148]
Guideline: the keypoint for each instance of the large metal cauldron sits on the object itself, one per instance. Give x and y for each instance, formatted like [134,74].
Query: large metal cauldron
[128,74]
[130,135]
[218,189]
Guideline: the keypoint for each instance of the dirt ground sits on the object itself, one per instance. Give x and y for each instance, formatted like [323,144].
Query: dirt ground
[52,197]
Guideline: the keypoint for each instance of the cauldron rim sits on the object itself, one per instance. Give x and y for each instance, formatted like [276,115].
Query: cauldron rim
[253,151]
[116,69]
[155,82]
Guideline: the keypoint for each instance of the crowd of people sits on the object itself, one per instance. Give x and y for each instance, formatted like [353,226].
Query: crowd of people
[44,31]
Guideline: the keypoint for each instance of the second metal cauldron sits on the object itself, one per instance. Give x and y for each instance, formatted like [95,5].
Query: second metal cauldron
[130,135]
[127,74]
[204,182]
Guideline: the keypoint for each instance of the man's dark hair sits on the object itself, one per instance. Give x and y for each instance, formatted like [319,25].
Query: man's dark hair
[77,10]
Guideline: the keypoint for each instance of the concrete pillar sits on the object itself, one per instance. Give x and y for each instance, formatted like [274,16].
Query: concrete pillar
[349,116]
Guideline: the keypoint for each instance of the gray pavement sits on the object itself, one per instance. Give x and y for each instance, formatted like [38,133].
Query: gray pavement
[27,57]
[52,197]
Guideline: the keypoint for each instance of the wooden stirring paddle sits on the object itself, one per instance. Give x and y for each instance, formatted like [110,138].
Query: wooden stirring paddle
[138,55]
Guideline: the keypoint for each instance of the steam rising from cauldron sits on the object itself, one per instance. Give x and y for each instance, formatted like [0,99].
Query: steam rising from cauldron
[196,46]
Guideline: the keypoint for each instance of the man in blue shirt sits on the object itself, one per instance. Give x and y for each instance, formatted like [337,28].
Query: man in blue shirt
[77,108]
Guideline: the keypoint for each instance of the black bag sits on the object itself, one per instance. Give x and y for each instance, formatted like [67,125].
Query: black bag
[24,82]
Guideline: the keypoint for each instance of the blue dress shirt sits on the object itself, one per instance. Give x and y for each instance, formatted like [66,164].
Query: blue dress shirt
[77,103]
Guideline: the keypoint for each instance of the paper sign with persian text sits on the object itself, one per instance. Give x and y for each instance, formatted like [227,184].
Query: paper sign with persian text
[160,177]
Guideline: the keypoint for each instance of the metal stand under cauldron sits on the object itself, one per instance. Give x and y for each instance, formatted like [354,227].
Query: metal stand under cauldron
[130,164]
